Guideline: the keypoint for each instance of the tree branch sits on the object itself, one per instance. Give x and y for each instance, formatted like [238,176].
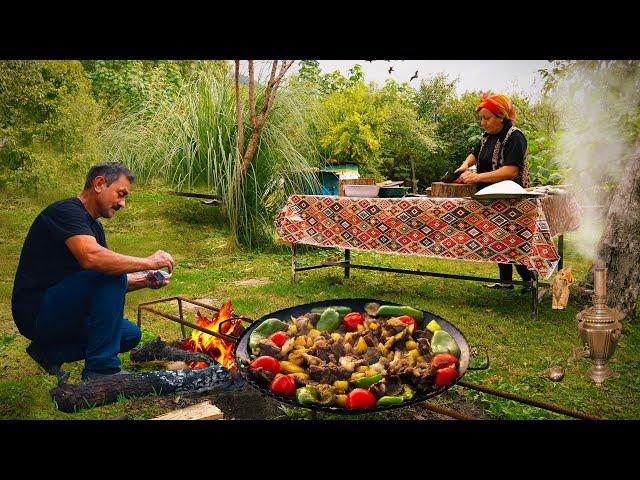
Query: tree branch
[252,102]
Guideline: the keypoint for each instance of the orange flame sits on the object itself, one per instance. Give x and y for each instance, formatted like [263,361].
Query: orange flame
[219,349]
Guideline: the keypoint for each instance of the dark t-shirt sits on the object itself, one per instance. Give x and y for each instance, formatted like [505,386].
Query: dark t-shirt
[514,150]
[45,259]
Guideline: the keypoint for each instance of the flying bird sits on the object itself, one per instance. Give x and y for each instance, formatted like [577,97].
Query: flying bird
[415,75]
[390,70]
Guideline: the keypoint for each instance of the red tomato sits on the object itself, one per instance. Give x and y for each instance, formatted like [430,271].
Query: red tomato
[268,363]
[352,320]
[360,398]
[445,376]
[278,338]
[283,385]
[442,360]
[408,320]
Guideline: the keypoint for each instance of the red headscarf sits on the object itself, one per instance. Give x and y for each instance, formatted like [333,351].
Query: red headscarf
[499,105]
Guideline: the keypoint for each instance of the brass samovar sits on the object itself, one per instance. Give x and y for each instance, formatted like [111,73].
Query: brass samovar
[599,328]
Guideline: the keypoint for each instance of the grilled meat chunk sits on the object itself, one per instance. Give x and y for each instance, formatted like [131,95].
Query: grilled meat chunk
[261,375]
[372,355]
[424,347]
[327,373]
[267,347]
[391,385]
[322,350]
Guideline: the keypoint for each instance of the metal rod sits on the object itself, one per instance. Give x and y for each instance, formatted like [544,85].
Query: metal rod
[200,304]
[188,324]
[322,265]
[293,263]
[434,274]
[347,262]
[166,299]
[560,251]
[446,411]
[196,195]
[535,403]
[534,297]
[184,332]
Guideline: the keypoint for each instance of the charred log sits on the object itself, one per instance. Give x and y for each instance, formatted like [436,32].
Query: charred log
[159,350]
[74,397]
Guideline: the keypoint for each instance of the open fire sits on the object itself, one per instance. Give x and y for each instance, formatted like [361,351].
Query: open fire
[219,349]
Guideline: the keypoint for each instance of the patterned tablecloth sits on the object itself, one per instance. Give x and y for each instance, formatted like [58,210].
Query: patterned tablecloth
[500,231]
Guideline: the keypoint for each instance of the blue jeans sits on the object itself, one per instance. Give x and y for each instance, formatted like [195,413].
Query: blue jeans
[82,317]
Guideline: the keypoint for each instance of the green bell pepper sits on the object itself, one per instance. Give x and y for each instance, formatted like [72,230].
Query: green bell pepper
[398,311]
[389,400]
[329,321]
[443,342]
[342,311]
[262,331]
[366,382]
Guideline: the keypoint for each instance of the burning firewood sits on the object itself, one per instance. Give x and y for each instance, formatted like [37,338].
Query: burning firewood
[159,350]
[73,397]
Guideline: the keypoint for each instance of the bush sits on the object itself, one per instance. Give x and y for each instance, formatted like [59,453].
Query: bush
[49,122]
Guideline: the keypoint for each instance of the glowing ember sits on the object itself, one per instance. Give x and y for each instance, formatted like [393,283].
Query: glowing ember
[219,349]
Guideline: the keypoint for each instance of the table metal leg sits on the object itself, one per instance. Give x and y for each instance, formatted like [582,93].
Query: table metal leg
[561,251]
[534,296]
[347,262]
[293,263]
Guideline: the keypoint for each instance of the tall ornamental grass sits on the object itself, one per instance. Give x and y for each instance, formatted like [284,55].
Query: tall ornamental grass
[190,142]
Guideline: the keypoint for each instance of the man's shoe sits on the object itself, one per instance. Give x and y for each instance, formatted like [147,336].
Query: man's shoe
[40,357]
[506,286]
[88,375]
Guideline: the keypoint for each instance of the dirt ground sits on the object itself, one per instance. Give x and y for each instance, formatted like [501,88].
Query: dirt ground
[246,403]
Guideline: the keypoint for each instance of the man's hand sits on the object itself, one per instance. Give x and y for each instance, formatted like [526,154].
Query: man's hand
[462,168]
[161,259]
[155,279]
[470,177]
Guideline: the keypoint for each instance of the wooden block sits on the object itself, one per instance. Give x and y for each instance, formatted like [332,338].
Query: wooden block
[452,190]
[201,411]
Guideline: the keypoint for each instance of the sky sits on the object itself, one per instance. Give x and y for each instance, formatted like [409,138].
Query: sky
[499,76]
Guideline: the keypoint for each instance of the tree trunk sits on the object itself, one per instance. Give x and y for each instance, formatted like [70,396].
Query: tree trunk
[413,175]
[73,397]
[619,246]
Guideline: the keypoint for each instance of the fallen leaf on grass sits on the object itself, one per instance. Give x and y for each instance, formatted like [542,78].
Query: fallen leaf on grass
[488,310]
[493,379]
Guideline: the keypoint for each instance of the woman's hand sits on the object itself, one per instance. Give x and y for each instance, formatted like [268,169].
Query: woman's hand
[470,177]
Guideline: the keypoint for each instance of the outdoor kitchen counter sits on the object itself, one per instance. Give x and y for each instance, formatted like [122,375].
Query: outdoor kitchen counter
[498,231]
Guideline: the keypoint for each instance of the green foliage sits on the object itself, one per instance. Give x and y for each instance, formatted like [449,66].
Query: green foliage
[432,96]
[357,124]
[49,122]
[131,85]
[190,141]
[408,143]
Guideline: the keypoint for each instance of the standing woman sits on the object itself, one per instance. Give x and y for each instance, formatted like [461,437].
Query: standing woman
[499,155]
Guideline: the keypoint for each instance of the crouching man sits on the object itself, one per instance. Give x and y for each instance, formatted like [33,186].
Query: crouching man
[69,289]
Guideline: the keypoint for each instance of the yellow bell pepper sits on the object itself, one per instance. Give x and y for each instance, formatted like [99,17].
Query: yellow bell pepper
[290,367]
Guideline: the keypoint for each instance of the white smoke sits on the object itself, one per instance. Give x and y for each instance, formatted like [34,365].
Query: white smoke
[594,100]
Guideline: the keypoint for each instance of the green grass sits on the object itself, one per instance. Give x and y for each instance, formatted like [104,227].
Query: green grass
[519,348]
